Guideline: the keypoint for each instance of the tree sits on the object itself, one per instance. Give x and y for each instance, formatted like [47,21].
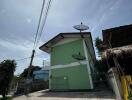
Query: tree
[7,68]
[101,64]
[99,45]
[15,81]
[25,72]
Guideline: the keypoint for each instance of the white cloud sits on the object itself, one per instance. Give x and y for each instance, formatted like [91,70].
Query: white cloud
[29,20]
[19,22]
[3,11]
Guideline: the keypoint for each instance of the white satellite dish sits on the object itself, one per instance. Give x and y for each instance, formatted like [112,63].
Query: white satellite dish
[81,27]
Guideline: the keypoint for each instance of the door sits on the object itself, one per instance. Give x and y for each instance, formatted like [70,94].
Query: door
[59,83]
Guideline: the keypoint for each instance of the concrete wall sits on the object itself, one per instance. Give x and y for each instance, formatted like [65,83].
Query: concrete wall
[115,83]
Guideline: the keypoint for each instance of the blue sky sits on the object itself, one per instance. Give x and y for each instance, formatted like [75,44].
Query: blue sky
[19,19]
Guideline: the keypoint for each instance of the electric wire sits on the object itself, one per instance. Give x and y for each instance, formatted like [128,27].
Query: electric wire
[38,27]
[27,58]
[44,22]
[39,34]
[39,23]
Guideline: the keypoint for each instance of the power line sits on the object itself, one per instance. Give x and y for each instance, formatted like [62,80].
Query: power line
[41,13]
[39,33]
[26,58]
[37,38]
[23,59]
[44,21]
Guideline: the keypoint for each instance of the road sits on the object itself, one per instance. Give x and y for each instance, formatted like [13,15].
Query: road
[45,95]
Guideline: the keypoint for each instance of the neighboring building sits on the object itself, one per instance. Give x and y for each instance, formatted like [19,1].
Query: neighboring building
[118,56]
[42,74]
[118,36]
[72,61]
[39,81]
[118,41]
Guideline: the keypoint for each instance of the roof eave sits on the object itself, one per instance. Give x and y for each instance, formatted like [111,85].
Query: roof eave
[47,46]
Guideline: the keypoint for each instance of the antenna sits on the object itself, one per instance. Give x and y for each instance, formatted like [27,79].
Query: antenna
[81,27]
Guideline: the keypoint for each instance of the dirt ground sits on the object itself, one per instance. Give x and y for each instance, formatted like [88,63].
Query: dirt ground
[46,95]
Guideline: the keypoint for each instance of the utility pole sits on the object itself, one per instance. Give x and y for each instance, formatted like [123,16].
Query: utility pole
[28,81]
[43,63]
[30,66]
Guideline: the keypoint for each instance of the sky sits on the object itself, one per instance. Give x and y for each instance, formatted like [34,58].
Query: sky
[19,20]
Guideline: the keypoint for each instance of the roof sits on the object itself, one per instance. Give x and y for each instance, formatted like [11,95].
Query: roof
[47,46]
[118,36]
[121,52]
[123,55]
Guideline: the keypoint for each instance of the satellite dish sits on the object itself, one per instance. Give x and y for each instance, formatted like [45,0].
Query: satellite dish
[81,27]
[78,56]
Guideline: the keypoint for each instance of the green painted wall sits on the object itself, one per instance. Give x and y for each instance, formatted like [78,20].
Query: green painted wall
[62,54]
[76,78]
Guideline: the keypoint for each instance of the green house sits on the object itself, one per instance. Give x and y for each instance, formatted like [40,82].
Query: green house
[72,61]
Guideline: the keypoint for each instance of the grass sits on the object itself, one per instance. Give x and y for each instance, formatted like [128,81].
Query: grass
[7,98]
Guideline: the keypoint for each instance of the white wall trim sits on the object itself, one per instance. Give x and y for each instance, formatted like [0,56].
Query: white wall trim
[88,65]
[74,64]
[65,40]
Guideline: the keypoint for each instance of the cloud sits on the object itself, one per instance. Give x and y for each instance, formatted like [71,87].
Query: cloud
[29,20]
[19,20]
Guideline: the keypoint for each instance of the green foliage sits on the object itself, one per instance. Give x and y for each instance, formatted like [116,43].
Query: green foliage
[130,96]
[6,98]
[7,68]
[102,69]
[25,72]
[99,45]
[101,66]
[14,81]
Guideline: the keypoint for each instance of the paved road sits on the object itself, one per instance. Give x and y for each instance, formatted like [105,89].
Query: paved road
[45,95]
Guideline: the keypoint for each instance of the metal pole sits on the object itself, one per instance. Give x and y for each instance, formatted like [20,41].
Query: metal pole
[43,63]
